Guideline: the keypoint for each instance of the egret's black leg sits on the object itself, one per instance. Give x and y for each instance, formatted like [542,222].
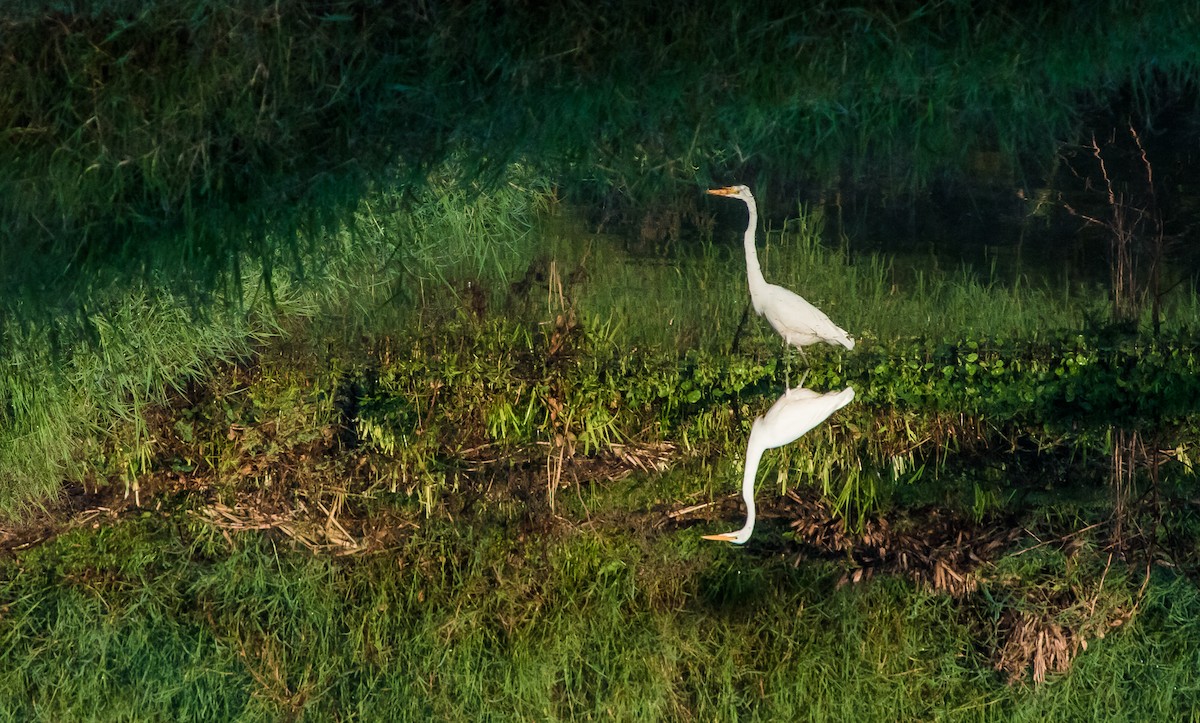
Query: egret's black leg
[737,333]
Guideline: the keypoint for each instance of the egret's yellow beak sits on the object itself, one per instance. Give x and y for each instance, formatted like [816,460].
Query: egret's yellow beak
[727,191]
[725,537]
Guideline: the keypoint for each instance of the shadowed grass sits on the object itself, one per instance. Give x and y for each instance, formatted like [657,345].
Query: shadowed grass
[168,135]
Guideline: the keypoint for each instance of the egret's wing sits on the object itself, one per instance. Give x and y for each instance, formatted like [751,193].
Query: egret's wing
[798,321]
[797,412]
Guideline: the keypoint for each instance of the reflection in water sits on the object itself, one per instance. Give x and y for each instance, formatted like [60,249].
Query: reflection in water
[788,419]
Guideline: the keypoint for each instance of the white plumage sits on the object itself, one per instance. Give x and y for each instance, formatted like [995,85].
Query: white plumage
[788,419]
[797,321]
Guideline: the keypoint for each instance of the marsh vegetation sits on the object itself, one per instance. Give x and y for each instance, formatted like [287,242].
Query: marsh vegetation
[334,385]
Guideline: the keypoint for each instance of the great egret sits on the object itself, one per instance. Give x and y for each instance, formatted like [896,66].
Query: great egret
[797,321]
[793,414]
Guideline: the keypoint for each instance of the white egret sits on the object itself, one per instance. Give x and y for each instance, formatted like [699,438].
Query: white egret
[793,414]
[797,321]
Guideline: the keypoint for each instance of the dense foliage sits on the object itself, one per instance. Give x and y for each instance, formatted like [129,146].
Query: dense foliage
[175,135]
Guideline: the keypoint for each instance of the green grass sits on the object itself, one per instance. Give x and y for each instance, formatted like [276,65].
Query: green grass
[160,617]
[80,411]
[77,394]
[453,308]
[700,292]
[355,215]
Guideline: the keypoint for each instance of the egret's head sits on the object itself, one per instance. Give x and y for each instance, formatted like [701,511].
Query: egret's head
[741,192]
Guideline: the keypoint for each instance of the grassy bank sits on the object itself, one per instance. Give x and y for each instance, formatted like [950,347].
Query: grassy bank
[162,616]
[446,337]
[82,394]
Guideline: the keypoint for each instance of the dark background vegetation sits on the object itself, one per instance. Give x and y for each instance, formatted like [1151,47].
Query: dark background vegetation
[177,134]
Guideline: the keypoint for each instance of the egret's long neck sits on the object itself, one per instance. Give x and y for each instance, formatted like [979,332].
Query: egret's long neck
[754,454]
[754,273]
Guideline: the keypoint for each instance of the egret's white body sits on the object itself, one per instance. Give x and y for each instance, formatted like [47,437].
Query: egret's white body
[793,414]
[797,321]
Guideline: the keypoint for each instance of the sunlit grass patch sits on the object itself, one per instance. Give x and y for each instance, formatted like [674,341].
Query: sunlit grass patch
[78,393]
[82,410]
